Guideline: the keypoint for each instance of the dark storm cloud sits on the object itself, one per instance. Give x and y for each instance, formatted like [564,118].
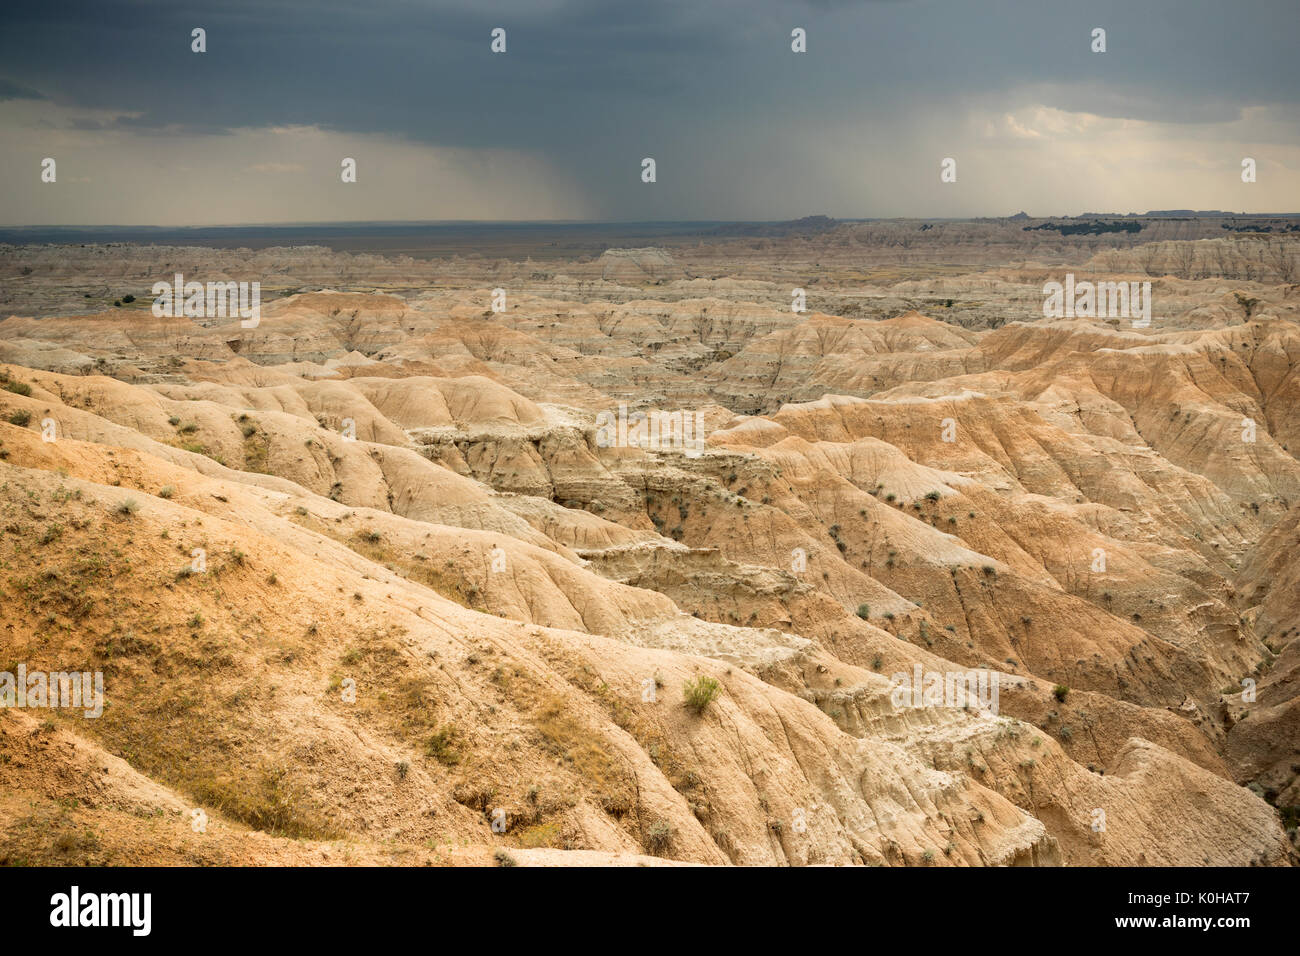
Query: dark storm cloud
[577,70]
[594,85]
[9,90]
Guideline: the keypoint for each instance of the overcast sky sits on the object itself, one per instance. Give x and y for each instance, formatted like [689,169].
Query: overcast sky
[144,131]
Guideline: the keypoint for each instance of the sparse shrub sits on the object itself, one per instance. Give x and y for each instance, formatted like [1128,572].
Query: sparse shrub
[504,859]
[658,837]
[18,388]
[701,692]
[127,508]
[166,491]
[444,745]
[540,835]
[20,418]
[128,298]
[1060,692]
[269,802]
[864,611]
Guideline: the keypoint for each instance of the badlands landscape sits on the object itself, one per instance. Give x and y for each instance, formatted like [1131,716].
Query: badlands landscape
[375,581]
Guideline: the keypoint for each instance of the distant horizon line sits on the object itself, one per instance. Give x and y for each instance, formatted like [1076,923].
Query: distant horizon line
[338,223]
